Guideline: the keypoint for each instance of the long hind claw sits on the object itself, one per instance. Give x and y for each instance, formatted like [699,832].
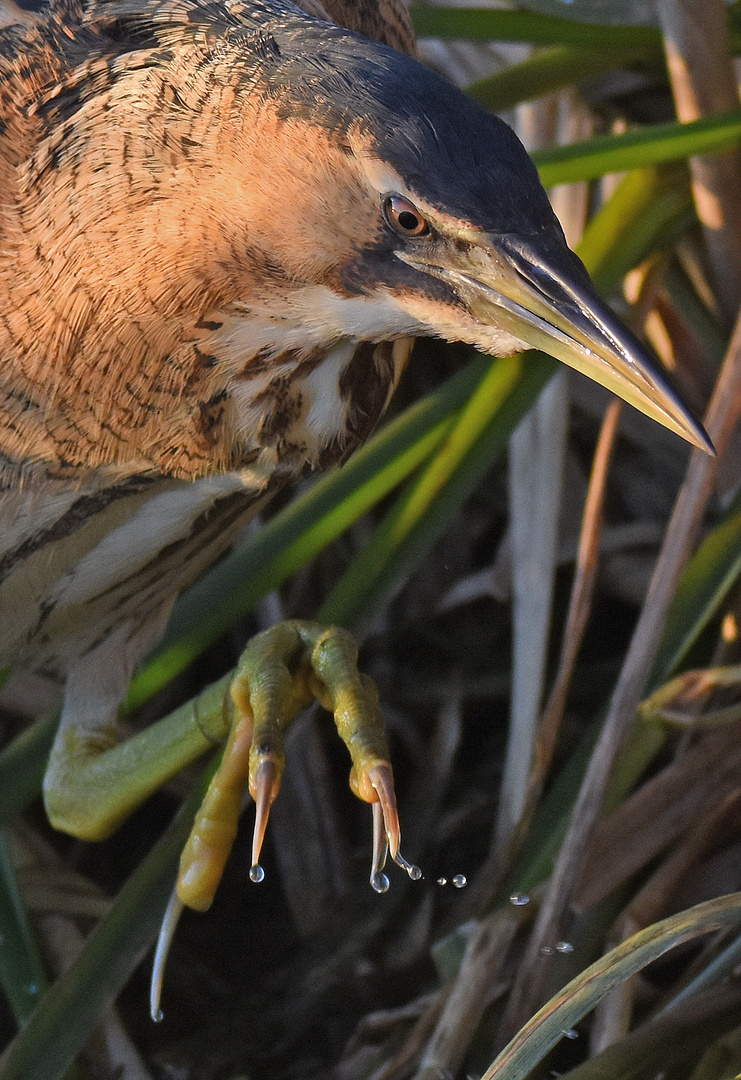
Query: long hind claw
[167,930]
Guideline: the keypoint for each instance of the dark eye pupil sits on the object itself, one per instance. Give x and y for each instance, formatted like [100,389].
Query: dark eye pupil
[408,220]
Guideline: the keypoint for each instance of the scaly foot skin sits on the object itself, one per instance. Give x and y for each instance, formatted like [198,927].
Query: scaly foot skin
[282,671]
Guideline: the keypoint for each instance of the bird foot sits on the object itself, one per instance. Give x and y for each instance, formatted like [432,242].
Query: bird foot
[283,670]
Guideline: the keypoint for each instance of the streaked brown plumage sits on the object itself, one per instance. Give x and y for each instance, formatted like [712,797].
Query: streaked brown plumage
[221,225]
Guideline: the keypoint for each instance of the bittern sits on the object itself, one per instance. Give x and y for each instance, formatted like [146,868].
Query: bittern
[223,223]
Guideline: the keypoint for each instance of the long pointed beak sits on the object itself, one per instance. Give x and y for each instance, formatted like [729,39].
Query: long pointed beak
[549,303]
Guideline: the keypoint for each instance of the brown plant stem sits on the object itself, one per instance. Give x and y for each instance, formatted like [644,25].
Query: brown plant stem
[701,72]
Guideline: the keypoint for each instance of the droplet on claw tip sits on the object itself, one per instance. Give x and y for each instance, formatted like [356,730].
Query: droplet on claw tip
[257,874]
[381,844]
[414,871]
[379,881]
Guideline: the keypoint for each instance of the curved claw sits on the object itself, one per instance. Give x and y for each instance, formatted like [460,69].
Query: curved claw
[263,790]
[386,830]
[378,879]
[381,780]
[164,941]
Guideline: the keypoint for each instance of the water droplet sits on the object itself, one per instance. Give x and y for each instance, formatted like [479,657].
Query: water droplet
[459,881]
[32,989]
[379,881]
[546,950]
[158,1016]
[564,947]
[257,873]
[519,899]
[414,871]
[571,1033]
[442,881]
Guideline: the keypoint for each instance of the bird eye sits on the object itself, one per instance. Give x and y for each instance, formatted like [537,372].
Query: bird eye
[403,217]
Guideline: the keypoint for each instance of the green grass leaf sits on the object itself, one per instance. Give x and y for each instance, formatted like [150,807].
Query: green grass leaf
[500,24]
[652,145]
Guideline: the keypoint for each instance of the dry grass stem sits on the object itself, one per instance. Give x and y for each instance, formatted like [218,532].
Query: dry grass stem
[537,455]
[703,83]
[536,460]
[472,991]
[580,604]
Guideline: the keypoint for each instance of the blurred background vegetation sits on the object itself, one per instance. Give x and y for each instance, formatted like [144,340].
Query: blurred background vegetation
[546,589]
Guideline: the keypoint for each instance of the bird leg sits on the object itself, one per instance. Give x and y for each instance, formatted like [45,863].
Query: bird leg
[281,671]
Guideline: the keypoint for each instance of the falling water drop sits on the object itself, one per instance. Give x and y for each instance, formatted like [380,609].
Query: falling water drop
[564,947]
[459,881]
[257,873]
[519,899]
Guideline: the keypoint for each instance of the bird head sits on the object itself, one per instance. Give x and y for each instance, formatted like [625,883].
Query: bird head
[234,192]
[436,223]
